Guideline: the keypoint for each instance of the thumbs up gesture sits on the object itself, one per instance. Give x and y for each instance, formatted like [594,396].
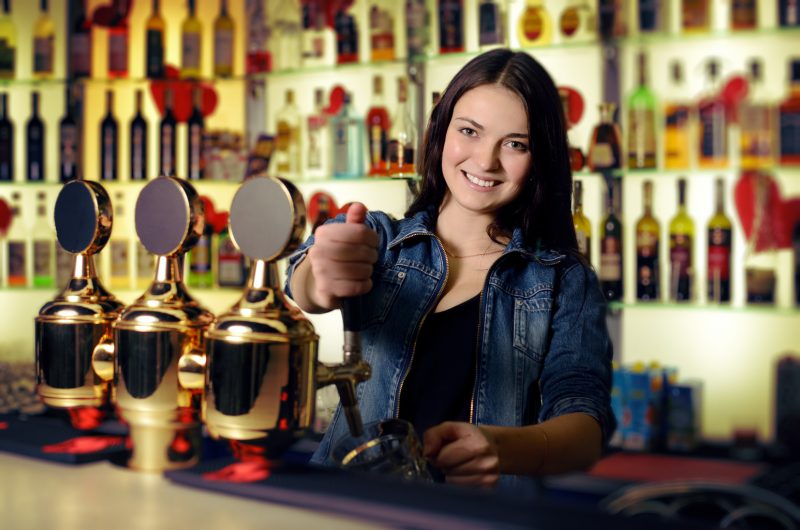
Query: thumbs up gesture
[342,258]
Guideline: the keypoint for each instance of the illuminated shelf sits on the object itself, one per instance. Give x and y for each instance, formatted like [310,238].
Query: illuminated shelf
[665,37]
[697,306]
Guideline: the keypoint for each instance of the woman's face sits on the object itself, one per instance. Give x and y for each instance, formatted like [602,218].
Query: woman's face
[487,152]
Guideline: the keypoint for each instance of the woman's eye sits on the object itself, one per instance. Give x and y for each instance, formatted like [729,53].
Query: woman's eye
[468,131]
[518,146]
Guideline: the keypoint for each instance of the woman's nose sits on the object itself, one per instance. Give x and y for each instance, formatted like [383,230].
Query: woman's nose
[486,156]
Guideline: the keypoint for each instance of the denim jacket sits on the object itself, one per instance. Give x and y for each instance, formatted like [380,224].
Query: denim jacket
[543,345]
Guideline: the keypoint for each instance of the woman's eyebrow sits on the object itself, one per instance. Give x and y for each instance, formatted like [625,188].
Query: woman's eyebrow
[478,126]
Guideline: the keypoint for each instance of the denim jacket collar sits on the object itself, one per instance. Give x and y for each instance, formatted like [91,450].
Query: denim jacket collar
[422,224]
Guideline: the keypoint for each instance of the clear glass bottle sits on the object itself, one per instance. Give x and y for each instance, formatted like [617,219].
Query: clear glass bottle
[681,250]
[719,252]
[16,246]
[287,139]
[605,149]
[648,237]
[43,244]
[119,246]
[417,28]
[348,137]
[583,228]
[224,41]
[8,43]
[378,130]
[642,121]
[318,134]
[287,35]
[43,43]
[402,145]
[757,123]
[192,44]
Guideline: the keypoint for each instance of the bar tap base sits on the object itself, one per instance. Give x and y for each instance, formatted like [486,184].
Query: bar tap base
[161,448]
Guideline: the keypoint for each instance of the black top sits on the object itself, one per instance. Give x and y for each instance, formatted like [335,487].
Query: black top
[442,376]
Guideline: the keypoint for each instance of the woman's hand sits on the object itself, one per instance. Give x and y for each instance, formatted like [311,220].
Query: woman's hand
[465,453]
[342,257]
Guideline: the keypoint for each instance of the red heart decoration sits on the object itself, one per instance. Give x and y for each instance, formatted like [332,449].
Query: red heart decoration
[106,15]
[182,94]
[775,230]
[576,104]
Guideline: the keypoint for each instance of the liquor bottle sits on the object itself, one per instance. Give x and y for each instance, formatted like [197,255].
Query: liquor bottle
[118,41]
[224,40]
[653,16]
[677,122]
[319,41]
[681,250]
[491,27]
[696,15]
[168,138]
[43,237]
[648,235]
[138,139]
[346,37]
[744,14]
[35,133]
[417,28]
[642,122]
[195,129]
[719,249]
[583,228]
[378,125]
[712,123]
[201,272]
[231,263]
[191,44]
[451,26]
[155,30]
[605,152]
[760,257]
[8,42]
[381,32]
[119,246]
[576,157]
[610,274]
[43,43]
[788,13]
[348,137]
[535,27]
[6,142]
[402,136]
[317,163]
[68,139]
[16,247]
[612,22]
[577,21]
[109,142]
[789,119]
[757,124]
[80,44]
[287,35]
[287,139]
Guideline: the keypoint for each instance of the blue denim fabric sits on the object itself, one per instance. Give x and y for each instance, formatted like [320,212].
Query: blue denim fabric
[543,350]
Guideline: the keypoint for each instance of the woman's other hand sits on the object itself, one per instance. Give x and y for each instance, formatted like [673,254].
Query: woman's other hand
[465,453]
[342,258]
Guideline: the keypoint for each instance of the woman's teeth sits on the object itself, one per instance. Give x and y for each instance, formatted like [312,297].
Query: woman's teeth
[479,182]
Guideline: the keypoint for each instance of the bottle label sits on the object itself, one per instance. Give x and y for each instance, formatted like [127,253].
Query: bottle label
[69,148]
[80,48]
[377,145]
[43,54]
[119,259]
[602,156]
[200,256]
[570,21]
[610,259]
[340,148]
[16,263]
[676,137]
[230,264]
[680,257]
[7,55]
[532,24]
[223,49]
[137,154]
[191,50]
[42,259]
[155,53]
[118,51]
[719,253]
[195,151]
[109,168]
[167,150]
[284,135]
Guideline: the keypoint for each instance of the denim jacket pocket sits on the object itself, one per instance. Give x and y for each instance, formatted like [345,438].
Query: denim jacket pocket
[531,326]
[386,285]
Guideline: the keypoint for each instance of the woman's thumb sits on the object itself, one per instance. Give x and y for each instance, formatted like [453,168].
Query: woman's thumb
[357,213]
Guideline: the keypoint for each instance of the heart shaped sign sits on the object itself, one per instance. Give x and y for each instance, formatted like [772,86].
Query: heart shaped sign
[182,89]
[774,216]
